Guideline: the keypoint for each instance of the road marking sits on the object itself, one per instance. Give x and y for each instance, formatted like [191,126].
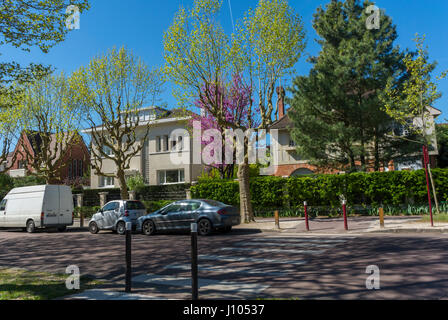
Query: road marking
[102,294]
[300,240]
[289,245]
[248,259]
[204,284]
[241,270]
[274,250]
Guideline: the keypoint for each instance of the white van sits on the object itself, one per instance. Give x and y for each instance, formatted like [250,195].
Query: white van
[37,207]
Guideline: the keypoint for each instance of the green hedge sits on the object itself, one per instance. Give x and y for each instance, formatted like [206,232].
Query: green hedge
[366,189]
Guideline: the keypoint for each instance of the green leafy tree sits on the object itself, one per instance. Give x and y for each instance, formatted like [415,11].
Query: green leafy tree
[409,103]
[113,88]
[51,124]
[336,109]
[26,24]
[200,55]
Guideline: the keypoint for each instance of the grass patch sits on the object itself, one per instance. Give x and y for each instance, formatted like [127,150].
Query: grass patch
[20,284]
[443,217]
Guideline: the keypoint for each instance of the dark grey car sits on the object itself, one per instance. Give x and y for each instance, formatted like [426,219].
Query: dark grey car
[210,215]
[115,214]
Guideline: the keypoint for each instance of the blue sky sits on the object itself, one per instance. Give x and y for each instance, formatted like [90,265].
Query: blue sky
[140,25]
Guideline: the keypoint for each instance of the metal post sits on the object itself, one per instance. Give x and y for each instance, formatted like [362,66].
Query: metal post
[381,211]
[426,163]
[344,210]
[305,206]
[277,219]
[194,262]
[128,256]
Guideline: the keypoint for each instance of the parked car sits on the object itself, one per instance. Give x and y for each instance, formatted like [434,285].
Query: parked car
[37,207]
[210,215]
[114,215]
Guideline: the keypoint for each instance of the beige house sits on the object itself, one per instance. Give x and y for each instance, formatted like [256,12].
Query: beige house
[290,163]
[157,162]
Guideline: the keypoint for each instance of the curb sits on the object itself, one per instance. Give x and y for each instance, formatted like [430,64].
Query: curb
[410,230]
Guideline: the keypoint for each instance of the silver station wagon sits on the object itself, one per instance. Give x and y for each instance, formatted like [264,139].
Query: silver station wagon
[210,215]
[114,215]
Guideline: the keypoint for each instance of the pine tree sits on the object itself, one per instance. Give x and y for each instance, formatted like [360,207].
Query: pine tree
[337,114]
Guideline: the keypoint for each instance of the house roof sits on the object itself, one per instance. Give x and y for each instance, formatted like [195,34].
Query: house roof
[35,140]
[283,123]
[163,115]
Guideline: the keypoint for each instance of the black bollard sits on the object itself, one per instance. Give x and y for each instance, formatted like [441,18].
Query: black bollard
[128,257]
[194,262]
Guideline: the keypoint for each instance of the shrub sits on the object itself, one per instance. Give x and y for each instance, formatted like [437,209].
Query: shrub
[135,183]
[396,188]
[87,212]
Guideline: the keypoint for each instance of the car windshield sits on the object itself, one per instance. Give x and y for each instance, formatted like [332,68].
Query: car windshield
[214,203]
[135,205]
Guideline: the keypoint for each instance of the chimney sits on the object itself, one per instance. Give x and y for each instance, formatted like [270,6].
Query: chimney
[280,102]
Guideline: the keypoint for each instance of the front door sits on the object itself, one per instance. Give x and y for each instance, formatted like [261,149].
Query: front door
[168,217]
[187,214]
[111,214]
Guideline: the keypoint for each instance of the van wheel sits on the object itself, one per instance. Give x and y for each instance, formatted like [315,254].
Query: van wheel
[148,228]
[121,228]
[62,229]
[204,227]
[30,226]
[93,228]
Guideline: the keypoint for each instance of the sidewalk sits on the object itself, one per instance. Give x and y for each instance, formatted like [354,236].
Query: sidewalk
[336,225]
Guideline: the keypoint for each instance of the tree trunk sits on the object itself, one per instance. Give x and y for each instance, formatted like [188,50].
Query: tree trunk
[377,154]
[123,186]
[433,188]
[246,211]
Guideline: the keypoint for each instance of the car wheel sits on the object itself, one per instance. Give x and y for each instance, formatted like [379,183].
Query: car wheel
[93,228]
[148,228]
[121,228]
[62,229]
[204,227]
[30,226]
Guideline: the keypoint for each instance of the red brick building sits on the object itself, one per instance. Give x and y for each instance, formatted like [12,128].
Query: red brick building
[73,164]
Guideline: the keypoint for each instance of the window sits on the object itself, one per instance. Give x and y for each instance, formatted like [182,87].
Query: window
[171,208]
[75,169]
[134,205]
[3,205]
[22,164]
[112,206]
[107,182]
[193,206]
[107,150]
[158,144]
[171,176]
[177,144]
[214,203]
[166,146]
[292,143]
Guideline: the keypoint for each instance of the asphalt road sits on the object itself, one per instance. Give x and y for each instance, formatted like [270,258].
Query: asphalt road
[245,264]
